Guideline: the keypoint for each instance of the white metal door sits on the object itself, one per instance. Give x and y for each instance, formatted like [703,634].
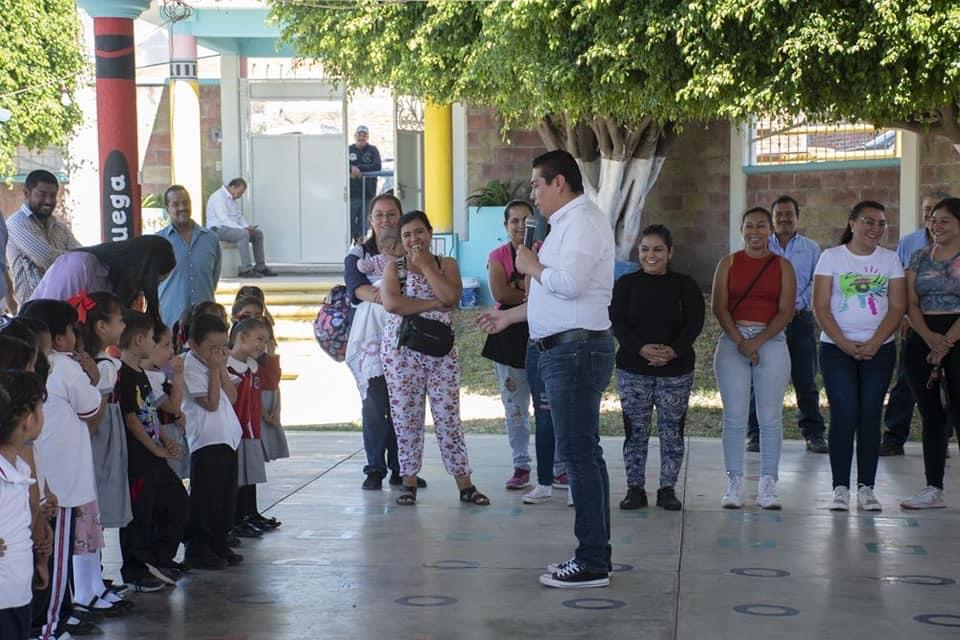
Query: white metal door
[408,169]
[324,229]
[275,192]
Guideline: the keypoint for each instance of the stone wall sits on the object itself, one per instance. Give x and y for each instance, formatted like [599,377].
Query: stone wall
[491,157]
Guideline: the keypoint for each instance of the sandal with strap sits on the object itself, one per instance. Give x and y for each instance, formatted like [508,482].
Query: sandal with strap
[408,496]
[471,495]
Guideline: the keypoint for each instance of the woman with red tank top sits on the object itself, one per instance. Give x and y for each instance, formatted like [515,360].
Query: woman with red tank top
[754,292]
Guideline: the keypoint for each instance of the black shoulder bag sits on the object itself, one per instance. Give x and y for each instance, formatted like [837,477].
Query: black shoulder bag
[509,346]
[430,337]
[753,282]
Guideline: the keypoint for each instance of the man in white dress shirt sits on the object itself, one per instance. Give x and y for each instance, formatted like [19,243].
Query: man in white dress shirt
[225,219]
[567,311]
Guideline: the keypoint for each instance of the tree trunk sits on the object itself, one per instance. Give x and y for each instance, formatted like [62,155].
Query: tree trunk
[620,164]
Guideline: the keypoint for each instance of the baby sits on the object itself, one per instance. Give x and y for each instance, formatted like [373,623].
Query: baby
[390,247]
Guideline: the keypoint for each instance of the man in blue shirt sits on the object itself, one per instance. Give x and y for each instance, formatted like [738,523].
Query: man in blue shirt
[899,413]
[197,273]
[803,253]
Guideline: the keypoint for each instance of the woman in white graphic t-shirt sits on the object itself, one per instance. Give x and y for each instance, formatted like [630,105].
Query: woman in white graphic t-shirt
[859,298]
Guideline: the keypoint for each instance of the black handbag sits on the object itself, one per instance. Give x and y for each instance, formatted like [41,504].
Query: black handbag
[430,337]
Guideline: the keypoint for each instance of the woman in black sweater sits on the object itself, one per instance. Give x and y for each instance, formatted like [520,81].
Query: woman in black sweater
[657,314]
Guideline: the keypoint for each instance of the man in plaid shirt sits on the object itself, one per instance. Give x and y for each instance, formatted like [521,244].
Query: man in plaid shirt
[37,238]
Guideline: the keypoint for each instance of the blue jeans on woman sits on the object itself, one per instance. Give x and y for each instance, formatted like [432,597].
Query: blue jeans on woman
[575,375]
[855,390]
[549,460]
[735,373]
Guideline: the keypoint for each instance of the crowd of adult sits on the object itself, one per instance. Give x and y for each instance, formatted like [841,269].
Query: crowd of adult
[551,338]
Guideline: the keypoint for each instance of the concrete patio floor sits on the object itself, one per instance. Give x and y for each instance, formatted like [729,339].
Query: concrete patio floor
[352,564]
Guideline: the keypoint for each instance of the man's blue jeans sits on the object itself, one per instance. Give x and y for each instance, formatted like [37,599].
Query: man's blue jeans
[855,389]
[575,375]
[549,460]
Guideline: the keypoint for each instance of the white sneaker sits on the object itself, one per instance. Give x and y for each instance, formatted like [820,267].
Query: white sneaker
[539,494]
[841,499]
[928,498]
[569,497]
[733,498]
[866,500]
[767,493]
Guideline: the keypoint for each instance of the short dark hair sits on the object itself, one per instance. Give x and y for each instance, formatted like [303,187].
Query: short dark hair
[138,324]
[237,182]
[659,230]
[29,330]
[762,210]
[416,214]
[171,189]
[38,176]
[203,325]
[16,353]
[56,314]
[786,199]
[516,203]
[20,393]
[159,329]
[251,290]
[560,163]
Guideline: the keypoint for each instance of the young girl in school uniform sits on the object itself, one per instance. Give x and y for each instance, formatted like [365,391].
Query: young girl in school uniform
[250,303]
[21,419]
[100,316]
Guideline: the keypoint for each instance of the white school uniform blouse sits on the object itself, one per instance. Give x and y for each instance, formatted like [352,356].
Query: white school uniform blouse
[63,451]
[206,428]
[16,566]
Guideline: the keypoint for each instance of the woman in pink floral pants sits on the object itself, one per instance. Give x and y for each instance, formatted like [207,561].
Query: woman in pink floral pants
[429,286]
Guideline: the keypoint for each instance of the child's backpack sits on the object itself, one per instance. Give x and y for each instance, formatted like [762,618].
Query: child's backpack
[332,325]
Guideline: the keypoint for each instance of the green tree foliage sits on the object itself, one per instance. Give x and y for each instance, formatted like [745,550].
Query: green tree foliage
[888,62]
[41,57]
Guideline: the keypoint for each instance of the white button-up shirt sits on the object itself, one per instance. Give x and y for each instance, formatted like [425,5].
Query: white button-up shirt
[576,285]
[224,211]
[206,428]
[16,566]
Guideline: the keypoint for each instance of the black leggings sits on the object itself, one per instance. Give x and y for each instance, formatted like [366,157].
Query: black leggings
[937,419]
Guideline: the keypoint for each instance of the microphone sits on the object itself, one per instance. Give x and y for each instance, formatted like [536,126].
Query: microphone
[529,231]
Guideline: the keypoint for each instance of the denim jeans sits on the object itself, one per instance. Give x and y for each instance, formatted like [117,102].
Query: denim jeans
[575,375]
[900,405]
[855,389]
[802,344]
[515,395]
[735,373]
[379,437]
[549,460]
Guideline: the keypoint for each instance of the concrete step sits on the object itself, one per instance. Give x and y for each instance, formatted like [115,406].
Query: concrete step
[278,299]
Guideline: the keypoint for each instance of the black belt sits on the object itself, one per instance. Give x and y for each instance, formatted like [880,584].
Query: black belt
[573,335]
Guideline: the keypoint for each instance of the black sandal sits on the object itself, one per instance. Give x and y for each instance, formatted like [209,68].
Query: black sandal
[408,496]
[471,495]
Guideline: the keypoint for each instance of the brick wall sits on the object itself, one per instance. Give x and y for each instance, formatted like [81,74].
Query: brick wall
[939,166]
[692,197]
[825,198]
[490,157]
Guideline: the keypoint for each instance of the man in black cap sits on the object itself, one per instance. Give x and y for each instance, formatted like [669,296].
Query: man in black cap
[364,157]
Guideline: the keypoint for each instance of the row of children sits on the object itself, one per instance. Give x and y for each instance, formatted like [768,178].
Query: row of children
[91,440]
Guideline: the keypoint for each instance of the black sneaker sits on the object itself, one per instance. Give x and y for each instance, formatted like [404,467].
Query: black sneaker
[163,574]
[395,479]
[573,576]
[249,274]
[267,272]
[636,499]
[247,530]
[753,446]
[891,449]
[667,498]
[817,444]
[373,482]
[146,584]
[231,558]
